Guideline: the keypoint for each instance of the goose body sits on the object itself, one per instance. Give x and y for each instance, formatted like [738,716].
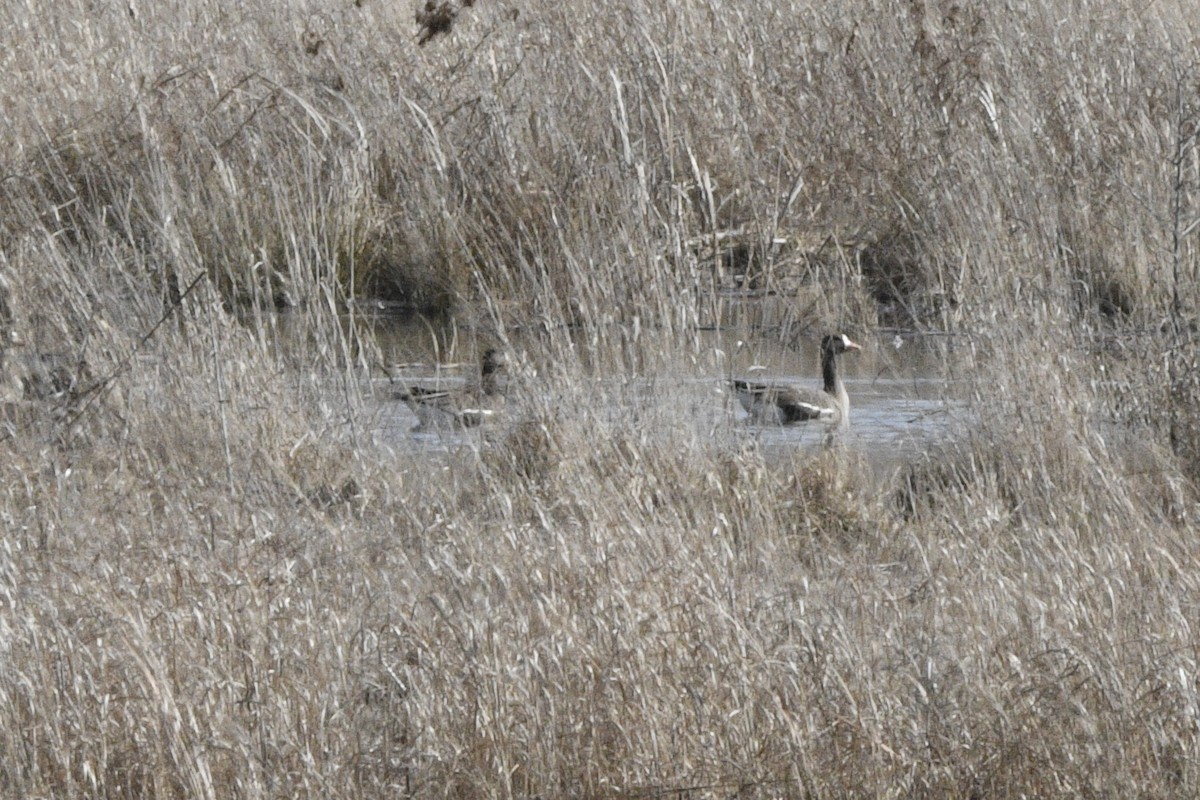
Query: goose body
[784,404]
[441,406]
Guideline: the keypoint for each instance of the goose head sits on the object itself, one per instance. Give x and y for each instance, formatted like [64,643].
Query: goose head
[837,343]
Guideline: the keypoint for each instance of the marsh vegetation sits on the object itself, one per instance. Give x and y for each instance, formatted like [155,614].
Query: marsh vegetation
[218,580]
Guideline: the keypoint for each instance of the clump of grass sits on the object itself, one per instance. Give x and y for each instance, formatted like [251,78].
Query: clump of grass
[1153,391]
[825,495]
[404,270]
[896,275]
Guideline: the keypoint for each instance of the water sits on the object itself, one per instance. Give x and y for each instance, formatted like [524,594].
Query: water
[892,422]
[899,388]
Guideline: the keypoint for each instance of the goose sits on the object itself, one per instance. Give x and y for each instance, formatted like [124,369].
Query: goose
[783,404]
[468,406]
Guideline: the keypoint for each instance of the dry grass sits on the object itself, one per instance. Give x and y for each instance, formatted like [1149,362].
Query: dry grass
[216,582]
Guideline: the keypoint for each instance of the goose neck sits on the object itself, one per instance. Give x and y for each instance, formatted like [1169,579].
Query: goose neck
[829,371]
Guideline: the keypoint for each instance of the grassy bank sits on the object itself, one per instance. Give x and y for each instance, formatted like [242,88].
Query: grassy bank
[215,581]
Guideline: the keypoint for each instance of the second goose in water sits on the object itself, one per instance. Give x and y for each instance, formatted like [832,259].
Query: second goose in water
[784,404]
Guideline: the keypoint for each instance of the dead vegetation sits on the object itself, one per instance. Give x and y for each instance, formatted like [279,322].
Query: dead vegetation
[217,581]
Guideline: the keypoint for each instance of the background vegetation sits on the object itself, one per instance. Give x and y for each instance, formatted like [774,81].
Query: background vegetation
[215,582]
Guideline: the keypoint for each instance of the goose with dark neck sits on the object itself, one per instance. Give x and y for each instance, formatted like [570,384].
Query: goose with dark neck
[785,404]
[468,406]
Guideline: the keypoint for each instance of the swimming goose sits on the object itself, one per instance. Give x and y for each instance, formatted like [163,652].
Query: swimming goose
[783,404]
[443,406]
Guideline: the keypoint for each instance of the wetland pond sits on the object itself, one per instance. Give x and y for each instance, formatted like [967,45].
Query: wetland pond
[900,389]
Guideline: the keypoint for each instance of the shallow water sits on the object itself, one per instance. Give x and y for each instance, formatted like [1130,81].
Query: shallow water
[900,388]
[891,423]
